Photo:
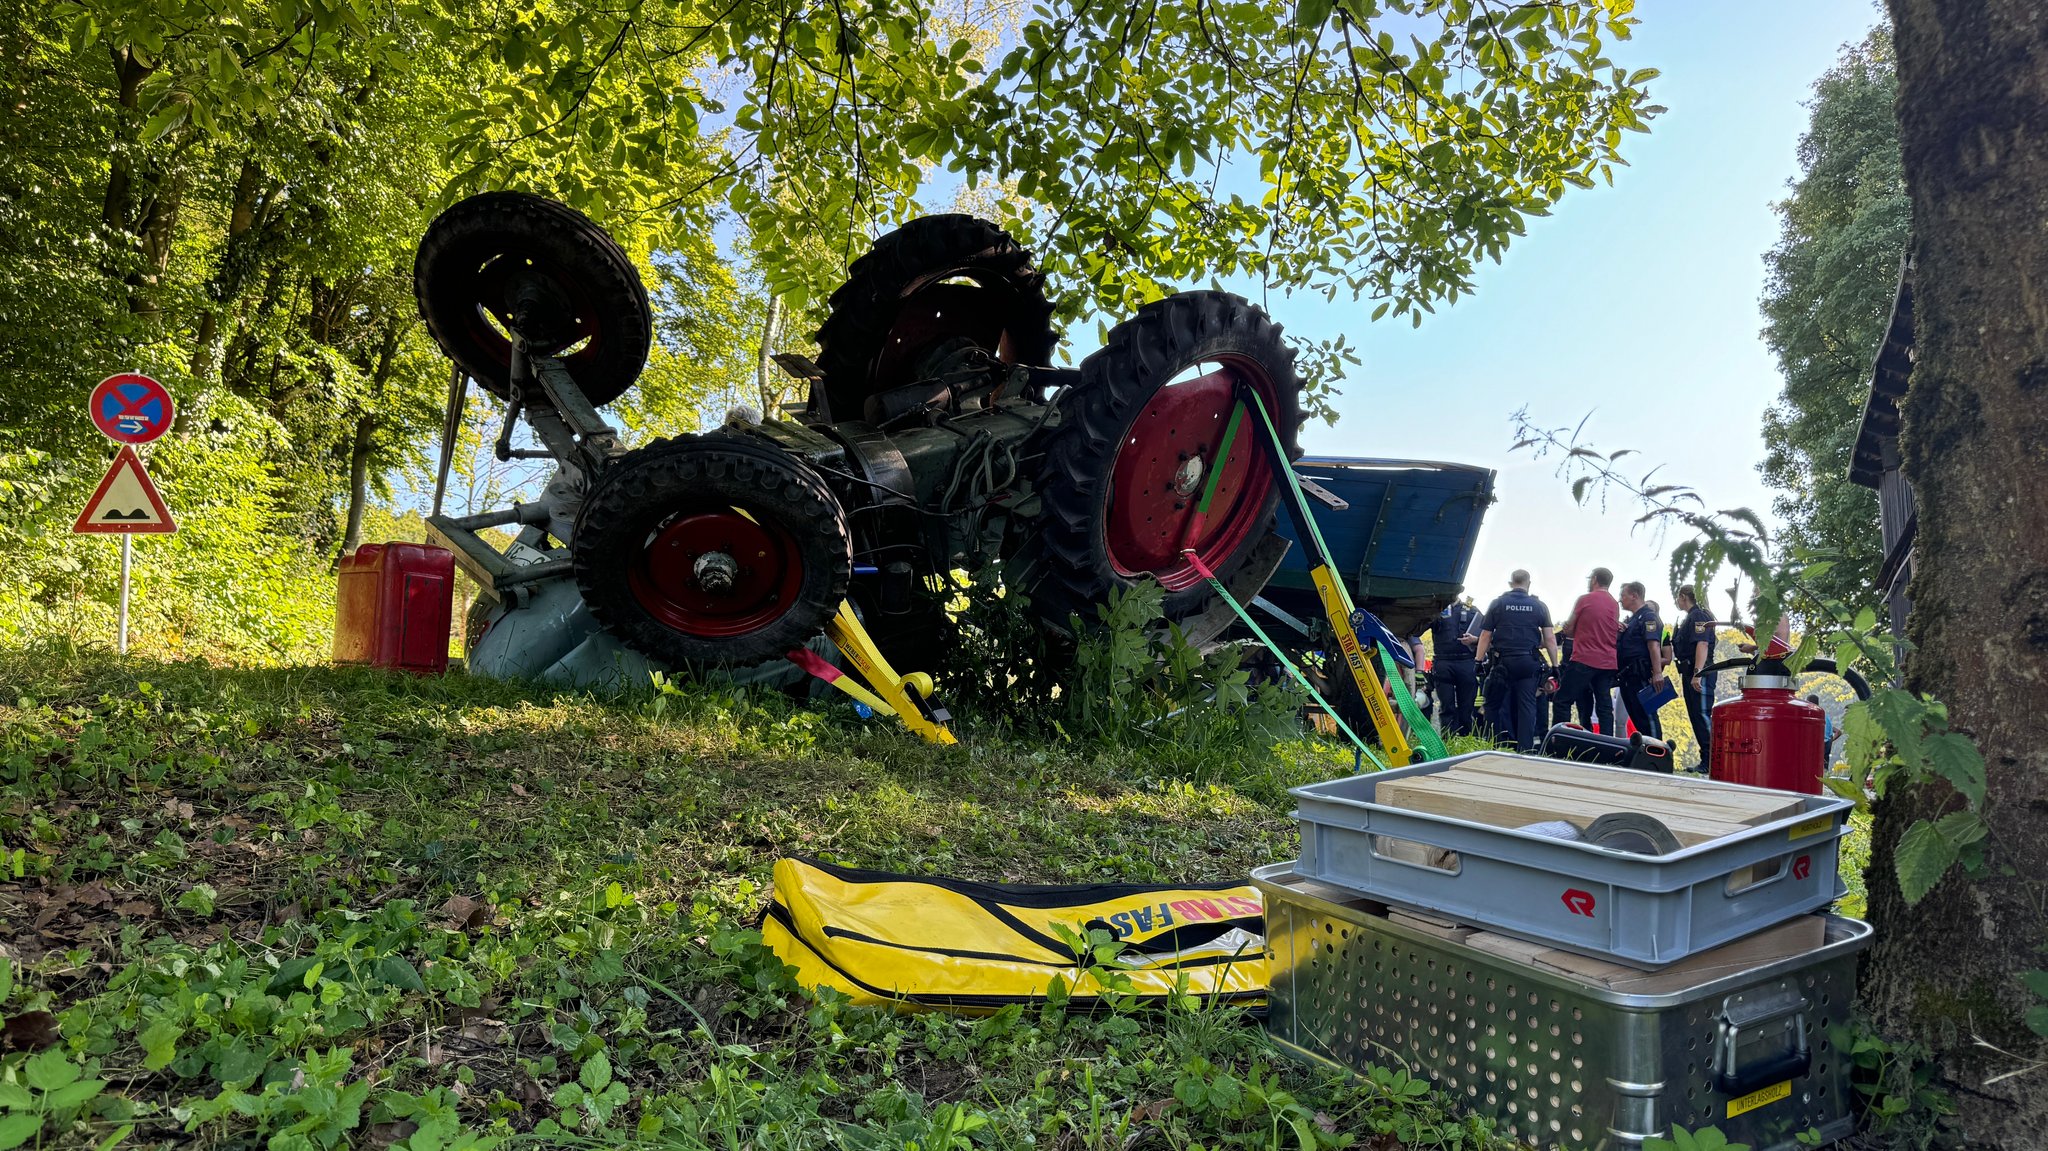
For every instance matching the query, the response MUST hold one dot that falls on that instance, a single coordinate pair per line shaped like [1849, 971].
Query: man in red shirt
[1588, 680]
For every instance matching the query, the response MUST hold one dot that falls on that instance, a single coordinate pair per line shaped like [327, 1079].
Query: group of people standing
[1515, 652]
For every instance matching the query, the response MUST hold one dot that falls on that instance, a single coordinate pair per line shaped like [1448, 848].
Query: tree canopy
[226, 194]
[1828, 297]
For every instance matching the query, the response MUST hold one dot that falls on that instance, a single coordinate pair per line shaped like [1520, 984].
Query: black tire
[1067, 565]
[1005, 305]
[645, 491]
[458, 272]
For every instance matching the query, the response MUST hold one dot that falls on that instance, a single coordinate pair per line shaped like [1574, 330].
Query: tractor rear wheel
[1124, 476]
[509, 261]
[935, 280]
[712, 550]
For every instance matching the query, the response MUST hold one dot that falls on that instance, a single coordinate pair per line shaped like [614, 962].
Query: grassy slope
[234, 895]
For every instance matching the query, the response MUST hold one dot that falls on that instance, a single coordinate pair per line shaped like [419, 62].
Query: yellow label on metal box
[1756, 1099]
[1814, 826]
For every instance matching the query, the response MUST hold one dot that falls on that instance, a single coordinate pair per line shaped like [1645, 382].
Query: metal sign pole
[127, 555]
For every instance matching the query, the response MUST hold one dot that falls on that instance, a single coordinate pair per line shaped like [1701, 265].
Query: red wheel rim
[934, 315]
[665, 581]
[492, 317]
[1163, 466]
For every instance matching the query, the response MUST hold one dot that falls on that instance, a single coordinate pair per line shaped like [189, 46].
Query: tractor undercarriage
[937, 436]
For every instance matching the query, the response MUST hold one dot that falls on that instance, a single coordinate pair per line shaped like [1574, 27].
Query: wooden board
[1524, 774]
[1489, 802]
[1799, 936]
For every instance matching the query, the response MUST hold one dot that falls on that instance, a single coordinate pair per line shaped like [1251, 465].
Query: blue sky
[1636, 303]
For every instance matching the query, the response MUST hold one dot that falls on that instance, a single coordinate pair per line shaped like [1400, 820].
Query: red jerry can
[392, 605]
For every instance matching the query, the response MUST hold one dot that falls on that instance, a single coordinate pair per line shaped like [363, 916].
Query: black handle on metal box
[1790, 1065]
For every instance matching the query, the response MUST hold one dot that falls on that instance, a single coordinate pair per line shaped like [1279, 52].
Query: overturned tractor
[937, 435]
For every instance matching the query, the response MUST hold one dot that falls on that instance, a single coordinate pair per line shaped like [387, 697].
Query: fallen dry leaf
[29, 1031]
[461, 913]
[383, 1135]
[519, 791]
[136, 909]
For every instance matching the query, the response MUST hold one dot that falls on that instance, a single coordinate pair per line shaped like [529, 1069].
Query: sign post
[128, 409]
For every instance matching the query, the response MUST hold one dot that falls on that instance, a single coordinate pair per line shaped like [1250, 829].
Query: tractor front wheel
[712, 550]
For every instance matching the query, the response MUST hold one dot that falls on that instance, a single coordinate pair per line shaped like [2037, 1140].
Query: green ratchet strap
[1292, 670]
[1421, 731]
[1419, 726]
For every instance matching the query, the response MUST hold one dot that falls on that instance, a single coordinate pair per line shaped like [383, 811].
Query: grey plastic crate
[1559, 1061]
[1644, 910]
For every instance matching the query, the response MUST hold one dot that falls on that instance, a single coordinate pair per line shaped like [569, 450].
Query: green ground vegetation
[313, 908]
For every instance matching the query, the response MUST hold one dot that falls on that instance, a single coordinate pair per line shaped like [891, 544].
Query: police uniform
[1695, 627]
[1453, 674]
[1632, 675]
[1517, 621]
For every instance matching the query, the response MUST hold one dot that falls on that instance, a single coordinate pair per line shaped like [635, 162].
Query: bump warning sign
[126, 502]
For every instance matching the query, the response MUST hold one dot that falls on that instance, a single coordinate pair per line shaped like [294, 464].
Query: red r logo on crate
[1579, 902]
[1802, 866]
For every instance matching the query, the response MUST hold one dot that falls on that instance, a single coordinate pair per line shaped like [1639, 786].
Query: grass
[312, 908]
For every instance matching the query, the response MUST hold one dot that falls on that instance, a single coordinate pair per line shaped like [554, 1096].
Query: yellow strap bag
[919, 941]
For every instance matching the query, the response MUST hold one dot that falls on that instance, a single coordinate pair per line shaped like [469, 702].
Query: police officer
[1692, 648]
[1454, 675]
[1516, 630]
[1639, 656]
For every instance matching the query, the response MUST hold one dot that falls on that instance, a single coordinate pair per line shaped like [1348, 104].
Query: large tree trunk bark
[1973, 119]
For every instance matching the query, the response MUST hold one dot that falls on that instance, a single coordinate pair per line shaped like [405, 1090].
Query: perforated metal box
[1563, 1062]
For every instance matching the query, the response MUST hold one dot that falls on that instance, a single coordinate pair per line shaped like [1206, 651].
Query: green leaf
[2037, 982]
[596, 1073]
[398, 971]
[165, 120]
[160, 1044]
[1579, 487]
[1923, 857]
[1312, 14]
[15, 1097]
[1962, 828]
[67, 1097]
[18, 1129]
[291, 976]
[2037, 1020]
[1954, 758]
[51, 1070]
[6, 978]
[198, 900]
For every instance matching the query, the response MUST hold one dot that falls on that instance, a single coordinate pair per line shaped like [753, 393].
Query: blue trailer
[1402, 541]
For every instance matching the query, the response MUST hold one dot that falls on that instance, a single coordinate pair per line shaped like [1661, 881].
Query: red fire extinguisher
[1769, 737]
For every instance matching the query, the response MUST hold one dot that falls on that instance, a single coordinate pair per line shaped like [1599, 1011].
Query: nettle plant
[1896, 738]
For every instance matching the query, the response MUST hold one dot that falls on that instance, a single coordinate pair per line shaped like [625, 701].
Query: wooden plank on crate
[1496, 806]
[1633, 791]
[1757, 809]
[1798, 936]
[1434, 925]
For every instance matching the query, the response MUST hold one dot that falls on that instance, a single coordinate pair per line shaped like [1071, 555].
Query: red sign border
[128, 457]
[92, 408]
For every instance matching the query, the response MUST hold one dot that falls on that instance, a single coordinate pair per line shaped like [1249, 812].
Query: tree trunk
[228, 277]
[764, 367]
[366, 440]
[1973, 119]
[358, 482]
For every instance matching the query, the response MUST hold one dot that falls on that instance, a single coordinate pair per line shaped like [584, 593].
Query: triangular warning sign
[126, 502]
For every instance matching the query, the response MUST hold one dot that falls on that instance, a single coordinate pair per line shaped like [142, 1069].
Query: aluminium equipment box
[1563, 1060]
